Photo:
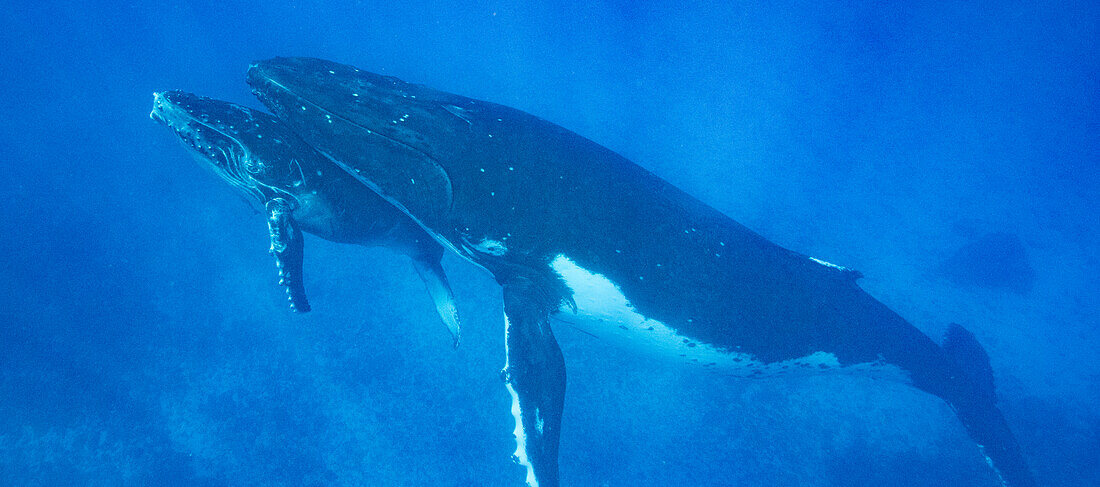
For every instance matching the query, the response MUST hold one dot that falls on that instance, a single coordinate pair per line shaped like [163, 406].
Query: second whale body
[574, 232]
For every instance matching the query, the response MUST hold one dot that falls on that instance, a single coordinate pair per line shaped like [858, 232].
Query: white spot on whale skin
[491, 247]
[827, 264]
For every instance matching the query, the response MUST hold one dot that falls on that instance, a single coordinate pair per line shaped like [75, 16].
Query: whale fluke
[976, 405]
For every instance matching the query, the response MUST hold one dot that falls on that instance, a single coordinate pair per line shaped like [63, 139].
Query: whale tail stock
[975, 402]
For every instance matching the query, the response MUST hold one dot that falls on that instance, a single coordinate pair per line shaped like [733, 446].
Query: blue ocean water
[948, 151]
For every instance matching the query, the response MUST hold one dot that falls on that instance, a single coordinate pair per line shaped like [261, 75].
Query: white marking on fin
[520, 455]
[989, 461]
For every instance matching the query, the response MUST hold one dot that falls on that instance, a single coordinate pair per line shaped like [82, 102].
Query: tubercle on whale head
[177, 111]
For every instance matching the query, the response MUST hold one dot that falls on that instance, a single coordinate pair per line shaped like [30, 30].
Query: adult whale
[299, 190]
[573, 231]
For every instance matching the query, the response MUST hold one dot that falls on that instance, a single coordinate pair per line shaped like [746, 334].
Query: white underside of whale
[604, 312]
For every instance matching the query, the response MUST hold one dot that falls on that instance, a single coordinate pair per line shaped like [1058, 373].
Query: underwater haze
[948, 151]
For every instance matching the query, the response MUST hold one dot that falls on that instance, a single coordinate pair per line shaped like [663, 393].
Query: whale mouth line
[180, 120]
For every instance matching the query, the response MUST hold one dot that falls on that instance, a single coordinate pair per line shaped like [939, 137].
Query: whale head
[414, 115]
[251, 150]
[395, 137]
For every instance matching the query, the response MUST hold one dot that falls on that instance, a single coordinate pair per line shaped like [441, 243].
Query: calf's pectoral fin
[431, 272]
[288, 248]
[535, 377]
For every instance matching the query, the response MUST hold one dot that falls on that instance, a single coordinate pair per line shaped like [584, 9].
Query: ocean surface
[950, 151]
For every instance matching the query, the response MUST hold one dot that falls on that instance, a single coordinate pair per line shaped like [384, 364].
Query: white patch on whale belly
[605, 312]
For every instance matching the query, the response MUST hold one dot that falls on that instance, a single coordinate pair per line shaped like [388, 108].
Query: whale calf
[298, 189]
[575, 232]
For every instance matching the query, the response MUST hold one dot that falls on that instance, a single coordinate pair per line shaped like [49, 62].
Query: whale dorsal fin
[428, 265]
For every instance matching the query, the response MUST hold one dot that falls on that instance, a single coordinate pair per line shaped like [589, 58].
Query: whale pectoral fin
[288, 249]
[431, 272]
[535, 377]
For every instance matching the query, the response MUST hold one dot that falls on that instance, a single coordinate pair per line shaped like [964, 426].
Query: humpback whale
[574, 232]
[299, 190]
